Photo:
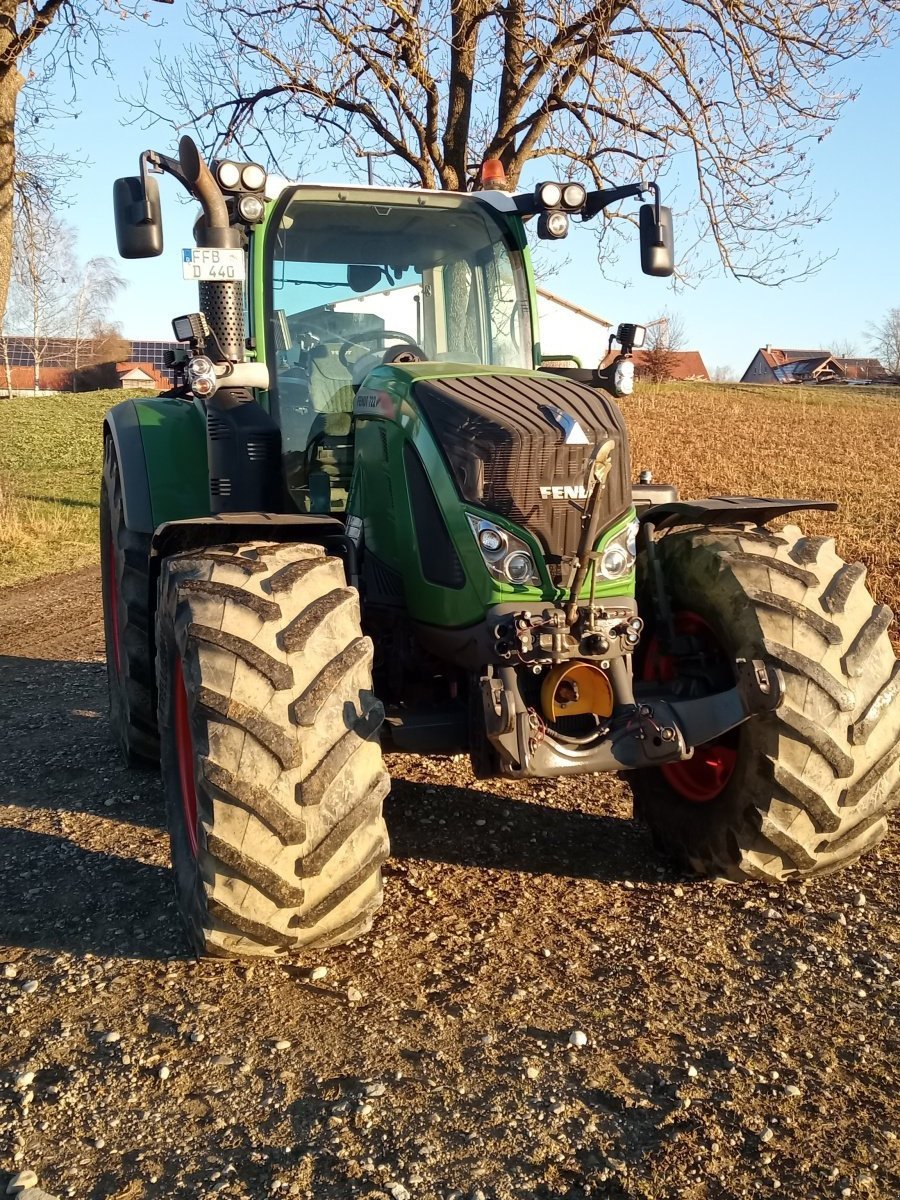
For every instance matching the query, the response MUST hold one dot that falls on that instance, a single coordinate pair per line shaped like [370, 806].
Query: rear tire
[124, 560]
[814, 781]
[274, 790]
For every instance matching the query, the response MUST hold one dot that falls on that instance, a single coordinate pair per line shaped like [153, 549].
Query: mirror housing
[657, 240]
[139, 232]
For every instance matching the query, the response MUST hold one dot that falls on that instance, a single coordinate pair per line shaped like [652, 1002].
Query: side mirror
[657, 240]
[139, 232]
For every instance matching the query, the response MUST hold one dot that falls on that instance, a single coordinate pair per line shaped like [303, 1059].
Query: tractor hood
[521, 446]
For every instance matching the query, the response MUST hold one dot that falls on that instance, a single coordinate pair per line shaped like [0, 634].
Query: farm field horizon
[828, 443]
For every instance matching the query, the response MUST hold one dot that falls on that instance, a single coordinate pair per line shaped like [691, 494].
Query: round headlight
[491, 540]
[550, 194]
[253, 177]
[518, 567]
[251, 208]
[623, 377]
[202, 376]
[615, 562]
[557, 224]
[228, 174]
[574, 196]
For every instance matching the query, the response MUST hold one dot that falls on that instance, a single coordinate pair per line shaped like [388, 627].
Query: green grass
[50, 460]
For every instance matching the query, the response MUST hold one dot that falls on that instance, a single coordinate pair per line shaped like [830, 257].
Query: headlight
[253, 177]
[507, 558]
[201, 376]
[553, 225]
[251, 209]
[518, 567]
[549, 194]
[491, 540]
[623, 377]
[229, 175]
[620, 552]
[574, 196]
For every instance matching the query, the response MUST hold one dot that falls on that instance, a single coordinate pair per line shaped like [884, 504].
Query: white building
[570, 331]
[566, 330]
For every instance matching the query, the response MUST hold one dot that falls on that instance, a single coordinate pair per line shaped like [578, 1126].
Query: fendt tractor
[368, 510]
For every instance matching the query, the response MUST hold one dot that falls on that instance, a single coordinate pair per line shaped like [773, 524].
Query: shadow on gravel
[516, 835]
[56, 895]
[57, 752]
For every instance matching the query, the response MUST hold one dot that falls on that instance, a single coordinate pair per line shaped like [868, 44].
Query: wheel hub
[703, 777]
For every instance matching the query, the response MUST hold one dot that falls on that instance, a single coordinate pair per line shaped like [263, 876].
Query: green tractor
[364, 511]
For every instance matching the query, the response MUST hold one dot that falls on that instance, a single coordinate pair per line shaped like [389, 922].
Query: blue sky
[726, 320]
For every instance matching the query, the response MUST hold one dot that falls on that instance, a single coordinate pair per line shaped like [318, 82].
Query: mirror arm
[161, 164]
[597, 201]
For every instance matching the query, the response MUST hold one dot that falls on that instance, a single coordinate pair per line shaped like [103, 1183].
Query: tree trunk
[11, 82]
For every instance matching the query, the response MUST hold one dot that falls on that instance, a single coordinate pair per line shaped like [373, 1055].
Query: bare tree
[38, 37]
[665, 337]
[88, 326]
[884, 338]
[43, 272]
[723, 374]
[843, 347]
[730, 98]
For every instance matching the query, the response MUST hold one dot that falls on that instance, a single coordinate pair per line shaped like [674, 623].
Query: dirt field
[742, 1042]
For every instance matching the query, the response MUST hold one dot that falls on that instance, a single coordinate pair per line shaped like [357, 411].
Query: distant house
[771, 365]
[684, 364]
[861, 368]
[140, 375]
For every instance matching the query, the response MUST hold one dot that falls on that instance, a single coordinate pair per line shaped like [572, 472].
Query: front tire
[810, 785]
[124, 559]
[271, 763]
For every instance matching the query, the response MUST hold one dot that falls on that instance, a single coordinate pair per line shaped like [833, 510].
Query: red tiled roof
[686, 364]
[123, 368]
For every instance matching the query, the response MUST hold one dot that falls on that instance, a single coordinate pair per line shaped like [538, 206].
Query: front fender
[725, 510]
[160, 446]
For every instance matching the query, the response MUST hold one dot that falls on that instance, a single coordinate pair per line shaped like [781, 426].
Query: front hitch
[650, 733]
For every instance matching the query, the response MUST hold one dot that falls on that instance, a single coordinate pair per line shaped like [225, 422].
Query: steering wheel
[372, 334]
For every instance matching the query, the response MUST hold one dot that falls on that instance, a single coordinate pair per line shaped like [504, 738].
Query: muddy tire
[124, 557]
[271, 762]
[813, 782]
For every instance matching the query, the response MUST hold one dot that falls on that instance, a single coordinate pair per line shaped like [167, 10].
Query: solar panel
[58, 352]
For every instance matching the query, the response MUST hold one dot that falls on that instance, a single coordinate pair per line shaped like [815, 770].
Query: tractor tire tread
[132, 700]
[290, 830]
[816, 778]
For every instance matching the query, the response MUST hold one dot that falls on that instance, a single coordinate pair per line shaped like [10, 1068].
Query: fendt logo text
[564, 491]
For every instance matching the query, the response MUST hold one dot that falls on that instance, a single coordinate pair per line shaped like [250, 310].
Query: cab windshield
[356, 283]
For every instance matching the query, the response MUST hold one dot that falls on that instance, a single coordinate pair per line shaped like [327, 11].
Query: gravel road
[738, 1042]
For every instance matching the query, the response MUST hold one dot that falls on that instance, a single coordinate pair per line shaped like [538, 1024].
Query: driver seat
[330, 387]
[330, 446]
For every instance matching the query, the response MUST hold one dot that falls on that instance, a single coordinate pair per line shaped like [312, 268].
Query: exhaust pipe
[222, 303]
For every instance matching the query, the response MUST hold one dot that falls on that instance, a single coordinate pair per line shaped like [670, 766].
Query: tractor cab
[356, 278]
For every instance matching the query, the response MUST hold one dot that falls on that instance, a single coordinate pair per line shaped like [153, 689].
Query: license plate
[213, 266]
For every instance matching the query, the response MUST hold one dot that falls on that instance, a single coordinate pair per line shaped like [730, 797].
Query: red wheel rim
[705, 776]
[184, 749]
[113, 590]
